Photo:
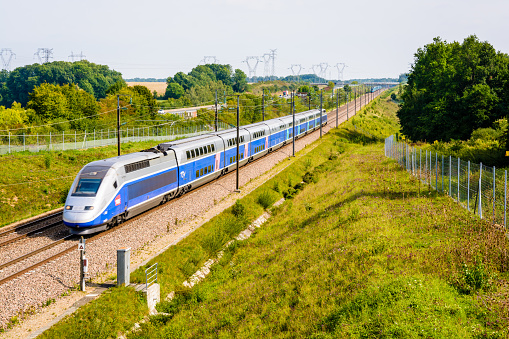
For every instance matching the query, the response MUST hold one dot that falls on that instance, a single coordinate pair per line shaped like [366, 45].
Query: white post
[63, 141]
[24, 148]
[458, 179]
[450, 176]
[50, 141]
[468, 186]
[479, 193]
[75, 140]
[9, 142]
[494, 188]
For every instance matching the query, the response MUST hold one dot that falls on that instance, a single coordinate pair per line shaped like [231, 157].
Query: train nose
[78, 218]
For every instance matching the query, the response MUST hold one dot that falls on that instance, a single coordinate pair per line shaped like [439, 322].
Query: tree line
[454, 89]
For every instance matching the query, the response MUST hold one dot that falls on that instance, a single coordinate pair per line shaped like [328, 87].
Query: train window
[197, 173]
[201, 172]
[228, 142]
[242, 155]
[210, 168]
[197, 151]
[213, 149]
[208, 148]
[188, 154]
[87, 187]
[201, 150]
[115, 184]
[192, 153]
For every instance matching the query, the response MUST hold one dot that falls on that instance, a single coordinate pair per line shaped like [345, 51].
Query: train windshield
[89, 181]
[87, 187]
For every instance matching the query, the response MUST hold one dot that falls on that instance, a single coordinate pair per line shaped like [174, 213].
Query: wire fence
[478, 188]
[10, 143]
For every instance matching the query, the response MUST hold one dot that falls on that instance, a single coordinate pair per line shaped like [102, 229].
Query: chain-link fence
[478, 188]
[62, 141]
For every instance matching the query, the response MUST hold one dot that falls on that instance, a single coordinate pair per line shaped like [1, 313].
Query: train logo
[117, 200]
[183, 174]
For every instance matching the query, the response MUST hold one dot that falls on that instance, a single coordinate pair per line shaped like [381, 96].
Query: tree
[94, 79]
[14, 117]
[239, 82]
[174, 91]
[67, 102]
[454, 89]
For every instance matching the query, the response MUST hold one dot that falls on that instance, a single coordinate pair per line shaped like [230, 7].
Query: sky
[156, 39]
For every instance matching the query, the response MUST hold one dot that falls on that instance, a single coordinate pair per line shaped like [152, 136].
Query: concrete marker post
[123, 266]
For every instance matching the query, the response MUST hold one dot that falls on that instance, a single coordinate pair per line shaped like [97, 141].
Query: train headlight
[89, 208]
[68, 207]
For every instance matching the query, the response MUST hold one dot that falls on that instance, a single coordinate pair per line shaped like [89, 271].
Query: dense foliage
[454, 89]
[200, 85]
[17, 85]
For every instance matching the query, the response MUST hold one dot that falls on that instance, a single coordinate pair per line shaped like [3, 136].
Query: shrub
[309, 178]
[47, 161]
[266, 199]
[238, 209]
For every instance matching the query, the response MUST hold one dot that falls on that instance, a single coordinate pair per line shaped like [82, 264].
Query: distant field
[159, 87]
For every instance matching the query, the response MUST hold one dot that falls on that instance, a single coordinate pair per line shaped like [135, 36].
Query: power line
[252, 64]
[209, 60]
[80, 56]
[299, 69]
[44, 55]
[6, 54]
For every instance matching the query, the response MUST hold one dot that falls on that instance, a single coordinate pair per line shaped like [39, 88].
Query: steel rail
[7, 242]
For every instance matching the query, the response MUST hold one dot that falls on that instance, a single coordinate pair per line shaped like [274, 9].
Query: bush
[266, 199]
[309, 178]
[238, 209]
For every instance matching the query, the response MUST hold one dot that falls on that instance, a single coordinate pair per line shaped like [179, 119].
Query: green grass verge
[114, 312]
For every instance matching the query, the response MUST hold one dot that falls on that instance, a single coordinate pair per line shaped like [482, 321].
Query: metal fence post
[479, 193]
[442, 173]
[468, 186]
[49, 147]
[75, 140]
[420, 163]
[494, 187]
[450, 187]
[436, 171]
[63, 141]
[426, 169]
[458, 179]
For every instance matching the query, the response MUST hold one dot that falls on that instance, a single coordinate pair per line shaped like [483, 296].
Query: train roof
[124, 159]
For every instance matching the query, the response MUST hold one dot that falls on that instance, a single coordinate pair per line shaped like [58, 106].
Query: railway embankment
[358, 248]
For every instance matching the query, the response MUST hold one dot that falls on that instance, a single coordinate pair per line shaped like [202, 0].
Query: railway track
[30, 224]
[73, 240]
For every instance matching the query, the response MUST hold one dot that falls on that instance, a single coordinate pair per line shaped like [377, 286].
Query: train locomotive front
[93, 201]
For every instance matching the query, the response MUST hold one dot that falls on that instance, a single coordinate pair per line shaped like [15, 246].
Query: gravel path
[31, 290]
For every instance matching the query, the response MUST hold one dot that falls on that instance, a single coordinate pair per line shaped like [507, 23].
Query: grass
[113, 313]
[33, 183]
[361, 249]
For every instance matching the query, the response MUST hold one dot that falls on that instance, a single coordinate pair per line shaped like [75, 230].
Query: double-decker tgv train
[107, 192]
